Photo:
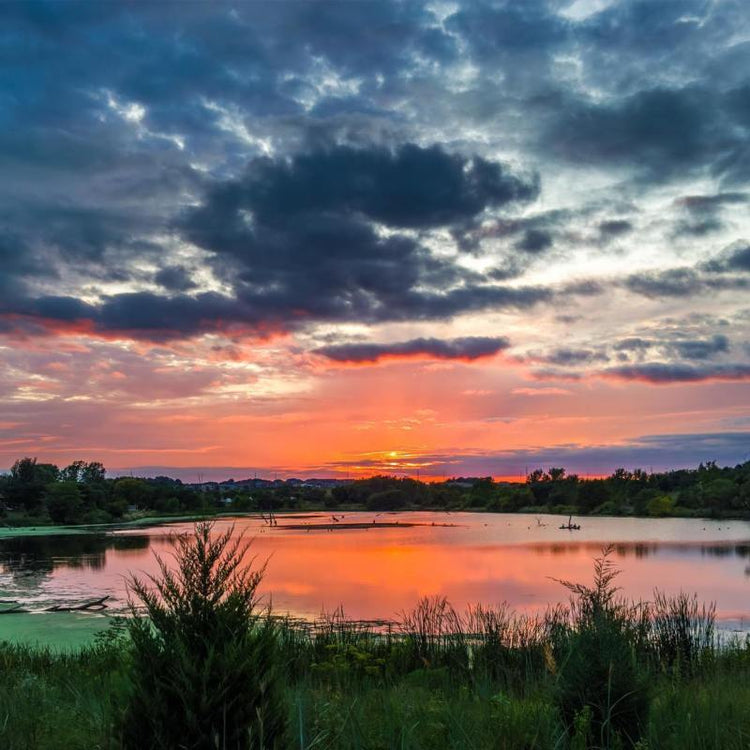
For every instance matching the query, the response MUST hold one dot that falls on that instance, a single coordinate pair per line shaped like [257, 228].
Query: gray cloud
[464, 348]
[615, 227]
[679, 282]
[660, 373]
[566, 357]
[701, 349]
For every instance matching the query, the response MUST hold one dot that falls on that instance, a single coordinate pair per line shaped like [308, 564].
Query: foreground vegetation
[36, 494]
[200, 666]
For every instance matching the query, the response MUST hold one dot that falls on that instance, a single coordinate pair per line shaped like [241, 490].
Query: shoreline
[8, 532]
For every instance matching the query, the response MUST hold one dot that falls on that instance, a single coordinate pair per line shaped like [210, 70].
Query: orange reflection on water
[379, 572]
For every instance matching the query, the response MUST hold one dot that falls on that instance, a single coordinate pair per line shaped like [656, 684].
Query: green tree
[721, 493]
[28, 480]
[598, 670]
[73, 472]
[93, 472]
[204, 665]
[64, 502]
[660, 506]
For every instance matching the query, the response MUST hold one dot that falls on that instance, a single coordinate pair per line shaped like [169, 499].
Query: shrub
[203, 659]
[598, 670]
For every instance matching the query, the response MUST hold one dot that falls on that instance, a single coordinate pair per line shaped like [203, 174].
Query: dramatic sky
[352, 237]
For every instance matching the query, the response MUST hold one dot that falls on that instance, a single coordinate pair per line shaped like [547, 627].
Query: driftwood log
[95, 605]
[13, 609]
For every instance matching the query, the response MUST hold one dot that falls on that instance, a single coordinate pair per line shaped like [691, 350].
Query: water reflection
[44, 554]
[28, 564]
[646, 549]
[378, 572]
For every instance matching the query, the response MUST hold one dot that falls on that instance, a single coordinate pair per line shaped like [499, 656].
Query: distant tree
[660, 506]
[721, 493]
[387, 500]
[592, 494]
[28, 480]
[481, 492]
[64, 502]
[538, 475]
[132, 491]
[73, 472]
[93, 472]
[80, 471]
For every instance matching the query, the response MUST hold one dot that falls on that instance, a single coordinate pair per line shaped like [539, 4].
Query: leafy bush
[598, 670]
[204, 661]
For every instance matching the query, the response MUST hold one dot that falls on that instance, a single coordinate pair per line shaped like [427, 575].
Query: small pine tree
[598, 670]
[204, 668]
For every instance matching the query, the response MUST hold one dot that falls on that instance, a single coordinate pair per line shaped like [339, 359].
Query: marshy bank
[210, 665]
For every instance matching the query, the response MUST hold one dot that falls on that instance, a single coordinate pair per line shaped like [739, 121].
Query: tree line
[35, 492]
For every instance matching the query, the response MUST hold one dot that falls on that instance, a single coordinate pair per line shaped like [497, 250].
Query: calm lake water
[378, 572]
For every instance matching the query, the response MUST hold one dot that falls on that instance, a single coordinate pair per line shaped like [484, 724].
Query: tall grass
[683, 630]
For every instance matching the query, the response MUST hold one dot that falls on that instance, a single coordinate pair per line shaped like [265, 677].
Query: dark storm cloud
[155, 317]
[518, 38]
[464, 348]
[615, 228]
[701, 348]
[680, 282]
[411, 187]
[702, 214]
[297, 240]
[116, 117]
[735, 258]
[566, 357]
[583, 288]
[633, 344]
[661, 373]
[660, 133]
[661, 130]
[676, 282]
[534, 241]
[708, 204]
[175, 279]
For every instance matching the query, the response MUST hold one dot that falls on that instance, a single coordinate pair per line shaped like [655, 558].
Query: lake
[316, 564]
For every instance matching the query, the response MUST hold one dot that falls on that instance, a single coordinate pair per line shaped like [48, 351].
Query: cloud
[534, 241]
[680, 282]
[615, 228]
[297, 241]
[659, 130]
[658, 452]
[566, 357]
[175, 279]
[409, 187]
[734, 258]
[701, 349]
[467, 348]
[633, 344]
[662, 373]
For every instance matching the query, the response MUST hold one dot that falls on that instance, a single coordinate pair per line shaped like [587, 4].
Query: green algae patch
[63, 631]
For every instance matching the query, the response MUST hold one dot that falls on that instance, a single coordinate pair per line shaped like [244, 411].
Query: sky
[348, 238]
